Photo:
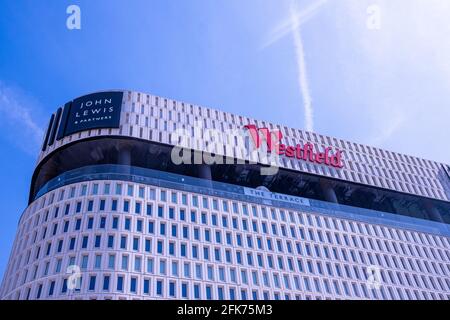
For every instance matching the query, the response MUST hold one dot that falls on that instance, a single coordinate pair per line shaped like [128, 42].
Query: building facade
[111, 215]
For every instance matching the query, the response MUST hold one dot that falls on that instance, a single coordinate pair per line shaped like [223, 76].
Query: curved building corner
[111, 216]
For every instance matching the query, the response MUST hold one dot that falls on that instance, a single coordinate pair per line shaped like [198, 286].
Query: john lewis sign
[93, 111]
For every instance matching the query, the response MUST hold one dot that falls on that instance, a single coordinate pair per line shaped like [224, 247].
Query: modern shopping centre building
[115, 212]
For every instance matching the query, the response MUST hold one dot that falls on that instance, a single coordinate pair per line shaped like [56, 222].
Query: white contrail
[17, 115]
[391, 124]
[301, 68]
[285, 27]
[292, 25]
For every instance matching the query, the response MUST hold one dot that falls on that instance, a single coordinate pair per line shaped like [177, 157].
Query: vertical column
[125, 159]
[433, 212]
[328, 191]
[204, 172]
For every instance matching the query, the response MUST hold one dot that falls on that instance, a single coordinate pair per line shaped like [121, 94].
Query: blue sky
[308, 64]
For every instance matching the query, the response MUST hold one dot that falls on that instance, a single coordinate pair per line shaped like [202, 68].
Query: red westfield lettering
[305, 152]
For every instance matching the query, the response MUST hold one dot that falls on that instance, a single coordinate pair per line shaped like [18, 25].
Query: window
[172, 289]
[150, 227]
[138, 208]
[124, 262]
[146, 286]
[196, 291]
[90, 223]
[106, 188]
[92, 283]
[72, 244]
[115, 223]
[111, 261]
[130, 190]
[123, 242]
[97, 241]
[106, 283]
[159, 287]
[160, 247]
[149, 209]
[137, 264]
[77, 226]
[114, 205]
[147, 245]
[133, 285]
[136, 244]
[110, 241]
[98, 261]
[184, 290]
[102, 205]
[51, 289]
[119, 283]
[64, 286]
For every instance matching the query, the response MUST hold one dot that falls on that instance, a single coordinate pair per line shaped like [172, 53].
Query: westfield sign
[305, 152]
